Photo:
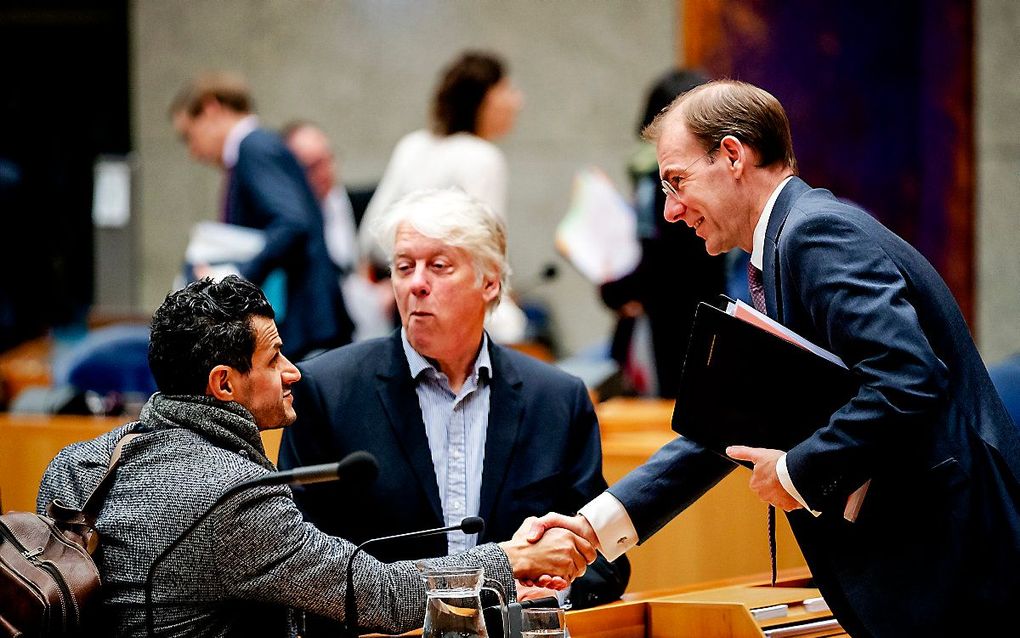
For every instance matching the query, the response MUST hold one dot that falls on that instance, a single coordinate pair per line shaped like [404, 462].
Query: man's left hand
[764, 479]
[526, 592]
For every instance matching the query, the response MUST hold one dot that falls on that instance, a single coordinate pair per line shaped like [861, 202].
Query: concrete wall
[365, 70]
[997, 135]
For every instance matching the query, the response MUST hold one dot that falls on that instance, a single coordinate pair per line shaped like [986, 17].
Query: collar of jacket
[225, 425]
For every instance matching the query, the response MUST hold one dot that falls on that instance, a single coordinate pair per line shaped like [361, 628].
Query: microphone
[356, 467]
[469, 525]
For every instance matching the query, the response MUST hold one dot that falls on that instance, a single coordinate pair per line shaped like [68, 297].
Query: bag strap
[94, 502]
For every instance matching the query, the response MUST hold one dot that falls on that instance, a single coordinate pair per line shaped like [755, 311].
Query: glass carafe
[454, 606]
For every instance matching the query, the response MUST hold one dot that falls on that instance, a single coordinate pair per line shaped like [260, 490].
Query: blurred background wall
[365, 70]
[997, 175]
[97, 76]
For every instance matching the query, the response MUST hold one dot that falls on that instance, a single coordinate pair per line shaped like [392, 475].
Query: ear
[220, 385]
[490, 289]
[733, 151]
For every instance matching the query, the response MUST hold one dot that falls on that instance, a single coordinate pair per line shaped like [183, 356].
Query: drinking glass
[542, 622]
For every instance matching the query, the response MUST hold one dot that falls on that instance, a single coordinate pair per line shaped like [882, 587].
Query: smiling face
[439, 296]
[709, 197]
[265, 390]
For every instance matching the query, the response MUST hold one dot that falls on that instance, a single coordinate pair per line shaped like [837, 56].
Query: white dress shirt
[456, 425]
[232, 145]
[339, 229]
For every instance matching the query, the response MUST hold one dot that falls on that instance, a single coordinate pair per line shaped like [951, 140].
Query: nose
[674, 210]
[290, 372]
[420, 286]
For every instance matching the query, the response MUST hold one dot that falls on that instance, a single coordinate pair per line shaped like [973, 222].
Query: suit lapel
[771, 277]
[505, 412]
[400, 402]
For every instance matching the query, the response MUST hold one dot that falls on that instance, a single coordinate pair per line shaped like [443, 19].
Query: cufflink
[622, 540]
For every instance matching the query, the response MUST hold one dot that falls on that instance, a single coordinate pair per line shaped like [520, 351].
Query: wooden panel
[626, 620]
[714, 609]
[630, 415]
[705, 620]
[723, 535]
[29, 442]
[885, 121]
[271, 440]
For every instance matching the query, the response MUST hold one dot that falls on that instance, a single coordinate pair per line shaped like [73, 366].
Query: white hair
[455, 218]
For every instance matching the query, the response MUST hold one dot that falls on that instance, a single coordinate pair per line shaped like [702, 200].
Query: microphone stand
[469, 525]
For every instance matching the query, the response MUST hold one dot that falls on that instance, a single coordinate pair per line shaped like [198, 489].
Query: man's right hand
[577, 524]
[552, 561]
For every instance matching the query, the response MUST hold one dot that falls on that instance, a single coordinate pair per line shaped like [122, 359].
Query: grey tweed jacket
[252, 563]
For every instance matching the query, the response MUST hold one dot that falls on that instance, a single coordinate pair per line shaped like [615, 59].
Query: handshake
[551, 551]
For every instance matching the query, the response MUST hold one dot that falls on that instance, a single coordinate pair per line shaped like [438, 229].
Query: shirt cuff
[787, 482]
[612, 524]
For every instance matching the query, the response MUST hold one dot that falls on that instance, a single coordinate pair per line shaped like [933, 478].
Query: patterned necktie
[757, 287]
[225, 208]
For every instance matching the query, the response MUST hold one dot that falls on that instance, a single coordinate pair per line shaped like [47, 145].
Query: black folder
[742, 385]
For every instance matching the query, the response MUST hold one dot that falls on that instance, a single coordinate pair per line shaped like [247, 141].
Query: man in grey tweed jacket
[215, 355]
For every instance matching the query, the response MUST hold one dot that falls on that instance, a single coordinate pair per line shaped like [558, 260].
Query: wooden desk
[716, 609]
[723, 535]
[29, 442]
[621, 414]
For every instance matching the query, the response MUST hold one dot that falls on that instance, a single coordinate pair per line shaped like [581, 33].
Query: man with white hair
[462, 426]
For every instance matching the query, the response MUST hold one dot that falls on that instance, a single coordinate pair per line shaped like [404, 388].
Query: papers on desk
[598, 235]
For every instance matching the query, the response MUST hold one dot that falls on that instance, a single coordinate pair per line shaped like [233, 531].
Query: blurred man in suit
[313, 151]
[464, 427]
[369, 303]
[266, 189]
[935, 546]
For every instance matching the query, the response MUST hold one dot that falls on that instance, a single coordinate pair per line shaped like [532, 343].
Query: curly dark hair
[461, 90]
[201, 326]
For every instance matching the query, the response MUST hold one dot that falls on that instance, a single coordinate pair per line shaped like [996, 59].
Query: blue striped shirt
[455, 424]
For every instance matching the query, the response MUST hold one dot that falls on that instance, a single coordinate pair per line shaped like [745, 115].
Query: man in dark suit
[934, 548]
[266, 189]
[460, 425]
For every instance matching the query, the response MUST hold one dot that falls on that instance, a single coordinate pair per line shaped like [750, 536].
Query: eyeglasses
[668, 187]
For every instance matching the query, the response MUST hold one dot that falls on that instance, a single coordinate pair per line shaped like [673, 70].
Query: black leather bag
[49, 584]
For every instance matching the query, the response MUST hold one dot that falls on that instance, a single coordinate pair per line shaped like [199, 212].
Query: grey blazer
[250, 564]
